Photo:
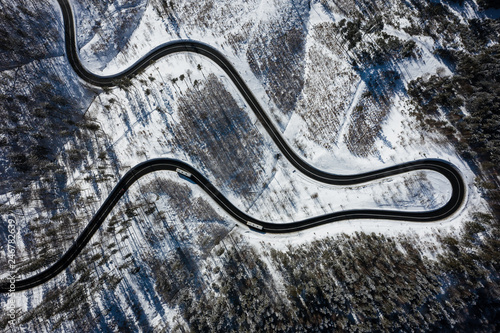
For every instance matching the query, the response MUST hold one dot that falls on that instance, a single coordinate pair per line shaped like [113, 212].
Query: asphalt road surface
[165, 164]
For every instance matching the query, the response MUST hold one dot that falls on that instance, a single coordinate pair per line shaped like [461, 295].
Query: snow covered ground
[140, 123]
[399, 141]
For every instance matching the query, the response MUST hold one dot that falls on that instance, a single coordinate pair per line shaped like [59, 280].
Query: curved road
[443, 167]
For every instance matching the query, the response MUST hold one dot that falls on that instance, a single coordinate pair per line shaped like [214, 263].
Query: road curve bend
[166, 164]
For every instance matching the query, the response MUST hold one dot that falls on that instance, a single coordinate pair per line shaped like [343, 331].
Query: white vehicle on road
[254, 225]
[184, 173]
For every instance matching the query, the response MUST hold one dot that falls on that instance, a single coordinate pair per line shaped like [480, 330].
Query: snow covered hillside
[333, 76]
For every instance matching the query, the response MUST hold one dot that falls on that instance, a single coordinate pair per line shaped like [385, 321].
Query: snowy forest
[353, 86]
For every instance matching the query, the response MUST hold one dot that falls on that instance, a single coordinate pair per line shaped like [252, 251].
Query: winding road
[441, 166]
